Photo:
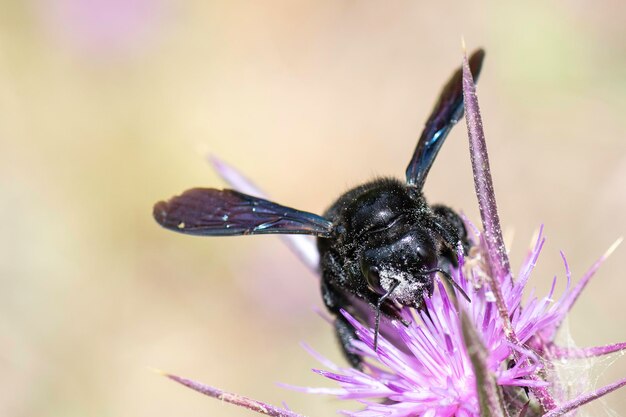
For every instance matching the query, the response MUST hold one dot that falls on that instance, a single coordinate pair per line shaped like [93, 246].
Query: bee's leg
[456, 222]
[346, 334]
[453, 228]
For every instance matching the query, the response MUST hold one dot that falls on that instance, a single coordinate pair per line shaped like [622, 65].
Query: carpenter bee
[380, 244]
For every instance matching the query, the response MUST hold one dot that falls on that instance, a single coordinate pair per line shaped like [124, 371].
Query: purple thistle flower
[493, 356]
[430, 371]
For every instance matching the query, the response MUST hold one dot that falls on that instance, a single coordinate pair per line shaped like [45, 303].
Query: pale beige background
[109, 106]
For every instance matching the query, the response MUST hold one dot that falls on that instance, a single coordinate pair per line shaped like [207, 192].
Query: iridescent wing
[211, 212]
[447, 112]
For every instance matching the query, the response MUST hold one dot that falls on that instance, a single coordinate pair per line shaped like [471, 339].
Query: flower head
[426, 369]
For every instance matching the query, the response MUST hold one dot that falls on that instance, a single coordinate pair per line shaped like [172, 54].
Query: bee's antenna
[450, 281]
[379, 304]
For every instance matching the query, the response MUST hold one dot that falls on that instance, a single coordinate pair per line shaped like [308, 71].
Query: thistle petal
[570, 300]
[498, 257]
[558, 352]
[236, 399]
[584, 399]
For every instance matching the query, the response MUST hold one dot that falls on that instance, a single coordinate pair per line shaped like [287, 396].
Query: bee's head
[405, 262]
[395, 249]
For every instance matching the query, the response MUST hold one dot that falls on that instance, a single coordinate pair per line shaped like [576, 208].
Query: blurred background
[107, 106]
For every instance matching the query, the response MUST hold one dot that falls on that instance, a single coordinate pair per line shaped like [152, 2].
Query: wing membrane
[212, 212]
[447, 112]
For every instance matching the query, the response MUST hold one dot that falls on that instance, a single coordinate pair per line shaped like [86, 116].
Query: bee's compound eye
[372, 277]
[427, 256]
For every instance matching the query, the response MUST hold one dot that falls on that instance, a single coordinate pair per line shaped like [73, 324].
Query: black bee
[380, 243]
